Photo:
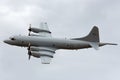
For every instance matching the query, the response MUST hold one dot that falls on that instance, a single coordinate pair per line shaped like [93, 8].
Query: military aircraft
[41, 44]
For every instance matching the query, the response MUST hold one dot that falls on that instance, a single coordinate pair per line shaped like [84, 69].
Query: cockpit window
[12, 38]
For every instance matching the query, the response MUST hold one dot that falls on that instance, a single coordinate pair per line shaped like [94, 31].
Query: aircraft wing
[41, 31]
[45, 53]
[45, 59]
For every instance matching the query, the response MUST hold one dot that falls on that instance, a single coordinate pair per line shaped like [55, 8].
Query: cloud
[67, 18]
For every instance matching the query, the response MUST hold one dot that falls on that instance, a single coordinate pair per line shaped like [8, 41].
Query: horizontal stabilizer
[95, 45]
[111, 44]
[102, 44]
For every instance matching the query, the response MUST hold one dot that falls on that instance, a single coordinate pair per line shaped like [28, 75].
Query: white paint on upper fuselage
[50, 42]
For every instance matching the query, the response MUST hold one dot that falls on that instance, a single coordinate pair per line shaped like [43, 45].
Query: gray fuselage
[48, 42]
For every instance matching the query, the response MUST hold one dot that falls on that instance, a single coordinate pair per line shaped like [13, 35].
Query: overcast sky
[66, 18]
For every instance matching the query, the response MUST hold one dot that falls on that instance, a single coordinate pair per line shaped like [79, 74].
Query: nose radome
[6, 41]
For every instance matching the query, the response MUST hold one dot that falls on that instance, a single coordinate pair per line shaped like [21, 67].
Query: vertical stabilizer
[93, 36]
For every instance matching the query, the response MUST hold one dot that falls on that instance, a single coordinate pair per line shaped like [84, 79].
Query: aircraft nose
[6, 41]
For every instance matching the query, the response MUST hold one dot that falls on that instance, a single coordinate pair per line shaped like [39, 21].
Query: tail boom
[93, 39]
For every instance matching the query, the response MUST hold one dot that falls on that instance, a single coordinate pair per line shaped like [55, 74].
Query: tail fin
[93, 36]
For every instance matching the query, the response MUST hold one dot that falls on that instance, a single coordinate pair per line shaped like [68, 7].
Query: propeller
[29, 51]
[29, 29]
[29, 45]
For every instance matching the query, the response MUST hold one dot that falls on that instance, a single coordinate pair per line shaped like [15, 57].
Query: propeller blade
[29, 57]
[29, 51]
[29, 54]
[29, 29]
[29, 46]
[29, 34]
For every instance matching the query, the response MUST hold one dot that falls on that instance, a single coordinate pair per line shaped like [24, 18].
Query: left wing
[45, 53]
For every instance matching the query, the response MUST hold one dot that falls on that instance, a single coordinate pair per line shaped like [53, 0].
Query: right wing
[42, 31]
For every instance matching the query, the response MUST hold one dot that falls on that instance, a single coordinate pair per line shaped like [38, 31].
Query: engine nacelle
[35, 34]
[33, 48]
[37, 30]
[39, 54]
[35, 54]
